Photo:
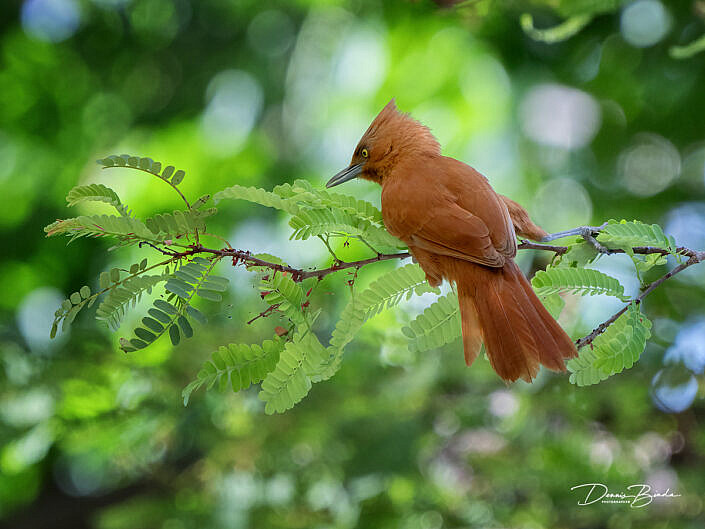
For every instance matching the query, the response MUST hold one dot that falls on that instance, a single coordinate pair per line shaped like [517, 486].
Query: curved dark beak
[346, 174]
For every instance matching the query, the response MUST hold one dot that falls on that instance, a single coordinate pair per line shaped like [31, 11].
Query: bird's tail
[499, 307]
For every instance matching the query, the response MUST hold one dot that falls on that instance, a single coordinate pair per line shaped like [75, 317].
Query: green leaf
[185, 327]
[178, 177]
[85, 291]
[144, 334]
[153, 324]
[583, 281]
[578, 255]
[174, 335]
[625, 235]
[120, 297]
[258, 196]
[306, 195]
[159, 315]
[168, 171]
[438, 325]
[384, 293]
[210, 295]
[127, 229]
[176, 287]
[237, 366]
[201, 201]
[559, 33]
[177, 223]
[616, 349]
[689, 50]
[137, 344]
[166, 307]
[314, 222]
[96, 193]
[289, 382]
[554, 304]
[196, 315]
[75, 298]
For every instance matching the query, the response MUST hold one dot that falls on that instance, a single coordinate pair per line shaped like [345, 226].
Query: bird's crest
[402, 130]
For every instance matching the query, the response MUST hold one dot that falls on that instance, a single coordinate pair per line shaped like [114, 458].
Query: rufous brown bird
[460, 230]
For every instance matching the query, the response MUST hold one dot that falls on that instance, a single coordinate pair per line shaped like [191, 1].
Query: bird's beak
[346, 174]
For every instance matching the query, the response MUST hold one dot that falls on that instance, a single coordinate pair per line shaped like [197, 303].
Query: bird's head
[390, 136]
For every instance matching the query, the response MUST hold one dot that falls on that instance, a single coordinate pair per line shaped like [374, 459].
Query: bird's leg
[586, 232]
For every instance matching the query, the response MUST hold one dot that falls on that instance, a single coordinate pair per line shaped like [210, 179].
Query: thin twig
[697, 257]
[300, 274]
[266, 312]
[324, 240]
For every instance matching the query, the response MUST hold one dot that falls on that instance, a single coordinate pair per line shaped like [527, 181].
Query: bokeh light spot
[644, 23]
[649, 165]
[361, 63]
[234, 103]
[562, 203]
[271, 32]
[560, 116]
[35, 315]
[689, 347]
[51, 20]
[674, 388]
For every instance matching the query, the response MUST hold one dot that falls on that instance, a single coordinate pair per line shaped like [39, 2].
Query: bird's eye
[364, 153]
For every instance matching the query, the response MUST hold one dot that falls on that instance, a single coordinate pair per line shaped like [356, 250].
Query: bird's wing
[450, 230]
[523, 225]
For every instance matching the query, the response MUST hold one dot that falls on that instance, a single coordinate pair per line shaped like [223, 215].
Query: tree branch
[300, 274]
[695, 258]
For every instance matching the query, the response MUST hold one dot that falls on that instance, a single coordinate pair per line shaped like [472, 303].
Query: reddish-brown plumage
[460, 230]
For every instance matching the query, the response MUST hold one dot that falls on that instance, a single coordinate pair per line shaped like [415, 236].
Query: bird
[460, 230]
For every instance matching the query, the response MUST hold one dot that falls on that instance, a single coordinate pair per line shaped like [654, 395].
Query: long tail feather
[499, 306]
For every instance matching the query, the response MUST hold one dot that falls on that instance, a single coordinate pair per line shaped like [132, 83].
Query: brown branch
[696, 257]
[297, 274]
[300, 274]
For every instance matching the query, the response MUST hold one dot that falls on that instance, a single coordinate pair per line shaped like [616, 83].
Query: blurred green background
[606, 124]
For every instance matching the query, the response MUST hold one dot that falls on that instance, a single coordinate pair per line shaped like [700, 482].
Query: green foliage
[236, 365]
[303, 192]
[288, 366]
[290, 381]
[258, 196]
[616, 349]
[689, 50]
[191, 279]
[627, 234]
[554, 303]
[582, 281]
[579, 254]
[124, 295]
[559, 33]
[178, 223]
[384, 293]
[438, 325]
[127, 230]
[70, 308]
[173, 177]
[97, 193]
[318, 212]
[315, 222]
